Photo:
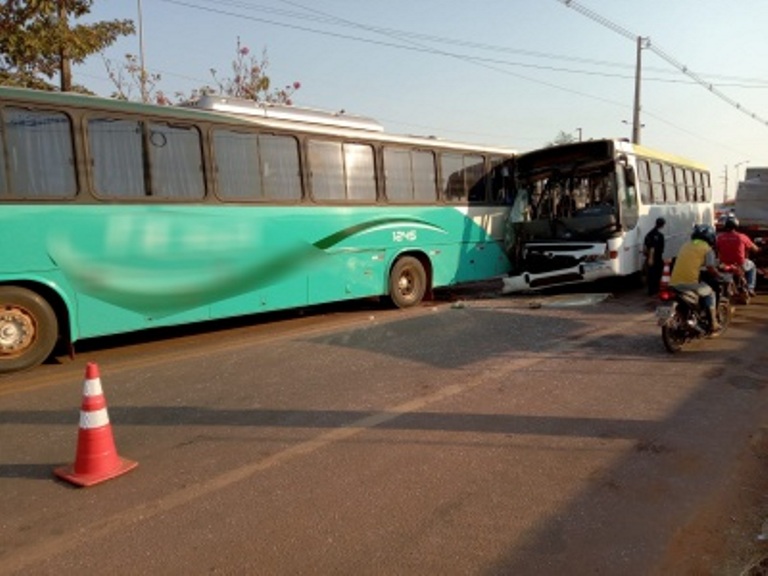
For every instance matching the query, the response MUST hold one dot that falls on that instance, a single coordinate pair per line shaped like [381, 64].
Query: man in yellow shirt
[694, 255]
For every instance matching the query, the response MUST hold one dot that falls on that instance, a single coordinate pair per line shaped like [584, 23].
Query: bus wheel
[407, 282]
[28, 329]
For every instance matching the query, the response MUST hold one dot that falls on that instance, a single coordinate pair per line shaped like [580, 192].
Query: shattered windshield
[555, 194]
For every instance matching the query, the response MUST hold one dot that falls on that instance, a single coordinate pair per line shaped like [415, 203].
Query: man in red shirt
[732, 248]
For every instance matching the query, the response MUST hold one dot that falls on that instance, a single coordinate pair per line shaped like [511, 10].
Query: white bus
[581, 211]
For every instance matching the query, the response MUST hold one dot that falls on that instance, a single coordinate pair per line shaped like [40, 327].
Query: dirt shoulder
[722, 539]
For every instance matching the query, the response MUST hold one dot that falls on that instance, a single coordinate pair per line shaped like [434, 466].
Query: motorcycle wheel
[674, 334]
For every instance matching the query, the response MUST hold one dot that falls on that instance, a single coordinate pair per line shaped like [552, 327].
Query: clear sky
[504, 72]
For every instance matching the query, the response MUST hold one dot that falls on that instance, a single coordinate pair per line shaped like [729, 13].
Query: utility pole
[143, 72]
[725, 178]
[636, 107]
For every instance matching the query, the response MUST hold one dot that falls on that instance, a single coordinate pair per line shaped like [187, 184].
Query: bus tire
[28, 329]
[407, 282]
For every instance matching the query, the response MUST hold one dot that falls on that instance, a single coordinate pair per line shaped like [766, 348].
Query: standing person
[733, 247]
[653, 248]
[694, 255]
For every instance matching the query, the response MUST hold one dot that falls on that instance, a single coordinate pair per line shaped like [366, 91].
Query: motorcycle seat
[692, 292]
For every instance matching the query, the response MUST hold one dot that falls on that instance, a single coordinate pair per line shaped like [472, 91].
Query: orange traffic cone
[96, 459]
[664, 283]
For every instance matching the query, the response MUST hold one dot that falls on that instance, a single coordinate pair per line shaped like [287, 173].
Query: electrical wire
[591, 14]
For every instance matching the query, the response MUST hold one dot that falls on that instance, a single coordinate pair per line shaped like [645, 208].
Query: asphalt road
[488, 435]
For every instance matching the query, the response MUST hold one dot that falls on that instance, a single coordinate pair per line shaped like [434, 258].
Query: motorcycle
[740, 286]
[683, 319]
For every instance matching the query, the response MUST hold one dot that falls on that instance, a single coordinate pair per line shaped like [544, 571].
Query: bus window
[115, 151]
[176, 163]
[644, 181]
[238, 171]
[628, 200]
[424, 179]
[680, 185]
[41, 160]
[697, 189]
[326, 165]
[690, 185]
[707, 189]
[360, 174]
[657, 183]
[461, 174]
[280, 167]
[669, 183]
[409, 175]
[452, 177]
[330, 179]
[501, 192]
[398, 175]
[475, 179]
[3, 183]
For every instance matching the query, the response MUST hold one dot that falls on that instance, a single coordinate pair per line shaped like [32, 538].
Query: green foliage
[37, 41]
[129, 75]
[249, 80]
[562, 138]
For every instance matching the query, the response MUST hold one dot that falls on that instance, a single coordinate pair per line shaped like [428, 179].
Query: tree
[249, 80]
[129, 75]
[562, 138]
[37, 41]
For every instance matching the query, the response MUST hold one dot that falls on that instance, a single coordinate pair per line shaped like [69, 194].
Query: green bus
[119, 216]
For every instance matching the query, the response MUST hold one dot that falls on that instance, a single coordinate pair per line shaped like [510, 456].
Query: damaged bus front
[573, 216]
[581, 211]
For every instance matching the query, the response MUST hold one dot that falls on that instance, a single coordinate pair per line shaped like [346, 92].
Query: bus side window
[424, 176]
[463, 178]
[3, 183]
[644, 180]
[669, 184]
[115, 150]
[680, 185]
[475, 178]
[499, 178]
[707, 188]
[452, 177]
[280, 169]
[690, 186]
[326, 164]
[360, 173]
[176, 162]
[657, 183]
[238, 172]
[41, 159]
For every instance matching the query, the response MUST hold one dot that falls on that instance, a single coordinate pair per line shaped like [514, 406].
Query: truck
[751, 210]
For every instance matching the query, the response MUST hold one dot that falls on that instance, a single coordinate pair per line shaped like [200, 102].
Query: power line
[413, 38]
[592, 15]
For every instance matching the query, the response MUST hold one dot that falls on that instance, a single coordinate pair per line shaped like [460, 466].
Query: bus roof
[651, 153]
[601, 148]
[222, 110]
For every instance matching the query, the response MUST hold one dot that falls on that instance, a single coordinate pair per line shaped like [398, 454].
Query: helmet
[704, 232]
[731, 222]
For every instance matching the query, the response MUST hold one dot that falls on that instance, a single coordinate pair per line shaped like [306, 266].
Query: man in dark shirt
[653, 248]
